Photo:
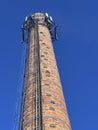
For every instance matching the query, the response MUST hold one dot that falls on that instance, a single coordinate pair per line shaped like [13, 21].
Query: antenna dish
[51, 18]
[26, 18]
[46, 14]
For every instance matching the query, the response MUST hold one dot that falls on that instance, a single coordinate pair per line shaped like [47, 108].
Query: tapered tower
[43, 105]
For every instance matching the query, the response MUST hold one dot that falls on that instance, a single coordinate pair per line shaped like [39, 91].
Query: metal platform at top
[41, 18]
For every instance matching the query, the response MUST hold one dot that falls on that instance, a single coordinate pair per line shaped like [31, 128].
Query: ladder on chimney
[38, 104]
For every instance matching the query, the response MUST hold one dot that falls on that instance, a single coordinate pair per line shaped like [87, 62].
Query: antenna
[46, 14]
[26, 18]
[32, 15]
[51, 18]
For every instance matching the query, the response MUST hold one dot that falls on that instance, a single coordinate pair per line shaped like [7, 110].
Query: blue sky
[76, 53]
